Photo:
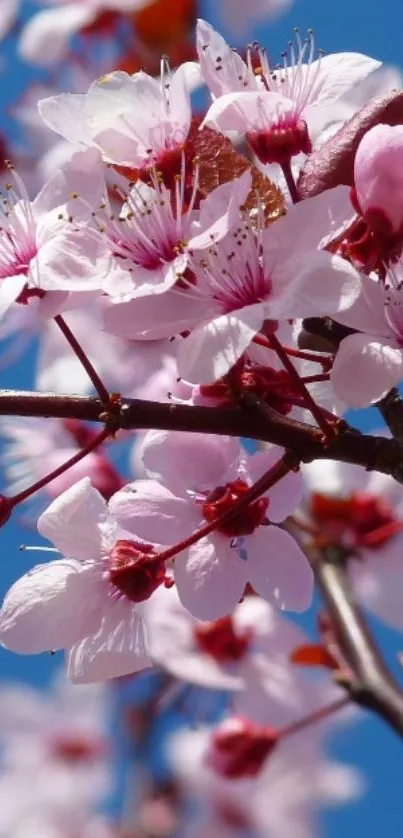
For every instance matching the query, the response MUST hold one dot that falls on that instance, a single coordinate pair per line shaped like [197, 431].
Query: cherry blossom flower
[211, 575]
[361, 512]
[369, 363]
[282, 109]
[90, 602]
[136, 121]
[155, 233]
[45, 38]
[41, 250]
[261, 279]
[221, 654]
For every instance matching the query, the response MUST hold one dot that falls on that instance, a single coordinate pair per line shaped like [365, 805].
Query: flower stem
[310, 403]
[40, 484]
[290, 181]
[316, 716]
[84, 360]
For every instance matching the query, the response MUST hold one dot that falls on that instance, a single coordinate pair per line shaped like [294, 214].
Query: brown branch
[306, 441]
[370, 685]
[391, 408]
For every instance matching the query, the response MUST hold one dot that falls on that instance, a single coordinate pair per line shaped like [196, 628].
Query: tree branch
[306, 441]
[371, 685]
[391, 409]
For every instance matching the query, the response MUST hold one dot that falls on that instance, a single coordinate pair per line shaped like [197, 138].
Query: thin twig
[84, 359]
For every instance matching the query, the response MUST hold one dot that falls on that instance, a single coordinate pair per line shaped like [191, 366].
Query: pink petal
[278, 570]
[65, 114]
[365, 369]
[72, 521]
[368, 311]
[210, 577]
[284, 496]
[247, 112]
[310, 224]
[42, 611]
[233, 73]
[337, 74]
[9, 12]
[318, 283]
[219, 211]
[83, 176]
[213, 349]
[376, 581]
[153, 513]
[378, 173]
[118, 648]
[140, 319]
[182, 461]
[10, 288]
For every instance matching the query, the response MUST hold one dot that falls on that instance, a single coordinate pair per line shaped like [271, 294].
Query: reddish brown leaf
[313, 655]
[333, 163]
[219, 162]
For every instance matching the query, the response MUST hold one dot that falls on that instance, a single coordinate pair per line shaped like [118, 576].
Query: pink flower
[369, 363]
[378, 187]
[239, 17]
[261, 278]
[90, 602]
[155, 233]
[211, 575]
[136, 121]
[8, 15]
[223, 654]
[362, 512]
[45, 38]
[280, 109]
[46, 245]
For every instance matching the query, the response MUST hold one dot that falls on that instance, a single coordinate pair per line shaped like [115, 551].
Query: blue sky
[357, 25]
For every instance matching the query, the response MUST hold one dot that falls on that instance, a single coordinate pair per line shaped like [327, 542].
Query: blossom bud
[378, 179]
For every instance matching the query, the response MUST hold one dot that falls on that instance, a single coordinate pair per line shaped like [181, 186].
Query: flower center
[362, 520]
[240, 748]
[280, 142]
[135, 570]
[75, 749]
[218, 640]
[223, 498]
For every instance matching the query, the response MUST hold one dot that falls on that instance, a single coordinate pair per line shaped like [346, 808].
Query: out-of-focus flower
[45, 38]
[362, 512]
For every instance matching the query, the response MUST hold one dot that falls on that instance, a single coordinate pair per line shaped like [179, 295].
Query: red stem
[290, 181]
[316, 716]
[84, 360]
[95, 443]
[309, 401]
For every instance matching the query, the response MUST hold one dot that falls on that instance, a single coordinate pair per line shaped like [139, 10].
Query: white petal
[9, 12]
[219, 211]
[365, 369]
[72, 521]
[210, 577]
[278, 569]
[337, 74]
[118, 648]
[186, 461]
[140, 319]
[10, 288]
[151, 512]
[65, 114]
[44, 609]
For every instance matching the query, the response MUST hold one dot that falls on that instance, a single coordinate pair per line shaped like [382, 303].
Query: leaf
[313, 655]
[219, 162]
[333, 163]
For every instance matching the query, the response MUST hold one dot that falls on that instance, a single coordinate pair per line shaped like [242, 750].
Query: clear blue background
[358, 25]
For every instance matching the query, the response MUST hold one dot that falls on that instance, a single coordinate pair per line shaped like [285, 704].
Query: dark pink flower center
[279, 143]
[219, 640]
[361, 519]
[135, 569]
[223, 498]
[75, 749]
[241, 752]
